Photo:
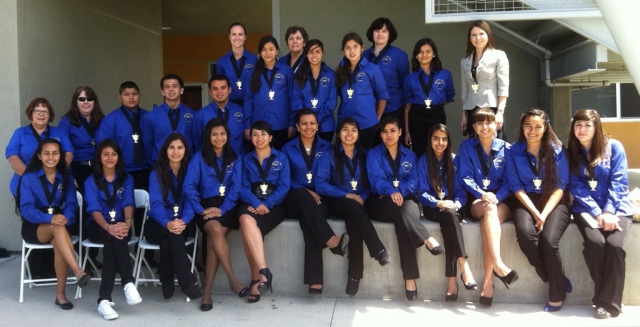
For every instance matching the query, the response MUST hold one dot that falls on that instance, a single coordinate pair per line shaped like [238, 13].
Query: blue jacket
[80, 139]
[442, 88]
[381, 174]
[328, 183]
[327, 99]
[428, 196]
[369, 87]
[298, 165]
[279, 175]
[156, 126]
[116, 126]
[276, 112]
[162, 212]
[201, 182]
[32, 199]
[224, 66]
[235, 124]
[97, 201]
[471, 173]
[395, 68]
[24, 144]
[519, 172]
[612, 191]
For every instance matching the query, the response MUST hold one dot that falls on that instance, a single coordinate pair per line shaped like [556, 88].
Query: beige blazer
[493, 79]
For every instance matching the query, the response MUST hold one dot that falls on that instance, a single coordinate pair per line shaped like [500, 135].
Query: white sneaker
[131, 294]
[104, 308]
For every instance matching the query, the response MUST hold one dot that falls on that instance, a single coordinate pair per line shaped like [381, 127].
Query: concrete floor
[38, 310]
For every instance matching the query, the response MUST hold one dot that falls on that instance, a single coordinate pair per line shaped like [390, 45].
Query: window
[619, 101]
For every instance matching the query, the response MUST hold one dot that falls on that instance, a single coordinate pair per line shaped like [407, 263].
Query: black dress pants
[605, 259]
[421, 120]
[410, 232]
[543, 250]
[173, 253]
[315, 230]
[449, 220]
[115, 258]
[360, 229]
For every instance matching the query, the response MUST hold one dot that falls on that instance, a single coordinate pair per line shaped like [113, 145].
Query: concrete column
[561, 112]
[621, 17]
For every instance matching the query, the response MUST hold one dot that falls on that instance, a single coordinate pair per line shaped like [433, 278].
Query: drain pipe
[549, 83]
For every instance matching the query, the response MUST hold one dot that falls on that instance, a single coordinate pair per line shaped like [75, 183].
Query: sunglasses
[83, 99]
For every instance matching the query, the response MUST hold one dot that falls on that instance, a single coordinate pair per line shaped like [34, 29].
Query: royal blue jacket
[116, 126]
[428, 196]
[286, 59]
[96, 200]
[235, 124]
[612, 191]
[80, 139]
[156, 126]
[201, 182]
[369, 87]
[471, 173]
[161, 211]
[24, 144]
[327, 98]
[298, 165]
[329, 184]
[279, 175]
[442, 89]
[276, 112]
[395, 67]
[519, 173]
[33, 198]
[225, 67]
[381, 174]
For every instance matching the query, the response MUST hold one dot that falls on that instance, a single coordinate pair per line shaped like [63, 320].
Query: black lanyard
[224, 114]
[111, 197]
[47, 132]
[174, 117]
[49, 195]
[394, 164]
[296, 65]
[264, 172]
[350, 168]
[534, 168]
[135, 123]
[269, 80]
[308, 159]
[352, 77]
[176, 191]
[426, 88]
[87, 128]
[486, 167]
[219, 171]
[315, 84]
[372, 56]
[236, 68]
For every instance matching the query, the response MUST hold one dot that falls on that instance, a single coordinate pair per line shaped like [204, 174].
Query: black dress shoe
[411, 295]
[436, 250]
[469, 286]
[315, 291]
[486, 301]
[64, 306]
[340, 249]
[511, 277]
[83, 280]
[352, 286]
[168, 288]
[383, 257]
[452, 297]
[191, 290]
[206, 306]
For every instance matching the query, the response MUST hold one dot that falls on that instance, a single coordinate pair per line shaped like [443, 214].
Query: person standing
[237, 64]
[297, 38]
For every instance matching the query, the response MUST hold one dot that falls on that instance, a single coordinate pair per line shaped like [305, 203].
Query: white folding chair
[145, 245]
[26, 251]
[141, 199]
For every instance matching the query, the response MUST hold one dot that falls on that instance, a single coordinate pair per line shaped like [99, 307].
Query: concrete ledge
[284, 248]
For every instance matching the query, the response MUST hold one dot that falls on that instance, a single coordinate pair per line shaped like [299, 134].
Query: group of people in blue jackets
[263, 151]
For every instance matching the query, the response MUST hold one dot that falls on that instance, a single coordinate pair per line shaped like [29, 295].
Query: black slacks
[366, 136]
[605, 259]
[449, 220]
[543, 250]
[410, 232]
[173, 253]
[360, 229]
[421, 120]
[115, 258]
[315, 230]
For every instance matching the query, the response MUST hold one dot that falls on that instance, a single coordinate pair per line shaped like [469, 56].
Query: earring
[162, 94]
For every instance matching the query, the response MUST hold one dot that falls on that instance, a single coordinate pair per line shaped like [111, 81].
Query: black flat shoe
[206, 306]
[436, 250]
[352, 286]
[340, 249]
[243, 292]
[268, 285]
[64, 306]
[469, 286]
[511, 277]
[253, 298]
[411, 295]
[315, 291]
[383, 257]
[83, 280]
[453, 297]
[191, 290]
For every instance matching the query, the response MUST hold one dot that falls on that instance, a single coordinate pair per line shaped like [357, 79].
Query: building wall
[626, 132]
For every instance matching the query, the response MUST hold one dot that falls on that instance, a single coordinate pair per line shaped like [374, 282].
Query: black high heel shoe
[469, 286]
[436, 250]
[452, 297]
[342, 246]
[268, 285]
[510, 278]
[243, 292]
[411, 295]
[253, 298]
[486, 301]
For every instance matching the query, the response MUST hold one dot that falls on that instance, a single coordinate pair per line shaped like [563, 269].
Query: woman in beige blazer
[485, 77]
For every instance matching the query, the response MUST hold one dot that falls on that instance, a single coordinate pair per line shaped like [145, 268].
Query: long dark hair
[481, 24]
[259, 69]
[96, 115]
[35, 164]
[98, 169]
[436, 64]
[303, 73]
[344, 69]
[546, 154]
[207, 153]
[339, 158]
[432, 161]
[597, 151]
[164, 169]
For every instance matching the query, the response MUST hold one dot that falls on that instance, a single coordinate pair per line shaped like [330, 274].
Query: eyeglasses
[41, 112]
[83, 99]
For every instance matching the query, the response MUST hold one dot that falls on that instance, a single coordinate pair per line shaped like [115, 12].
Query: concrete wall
[50, 47]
